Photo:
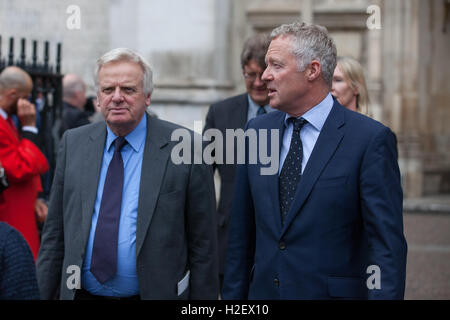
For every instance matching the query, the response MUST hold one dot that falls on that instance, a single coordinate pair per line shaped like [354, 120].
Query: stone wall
[46, 20]
[194, 49]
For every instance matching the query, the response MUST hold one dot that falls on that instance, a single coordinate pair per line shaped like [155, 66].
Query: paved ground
[428, 266]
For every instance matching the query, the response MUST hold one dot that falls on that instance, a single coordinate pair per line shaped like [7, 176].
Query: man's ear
[11, 93]
[147, 99]
[314, 70]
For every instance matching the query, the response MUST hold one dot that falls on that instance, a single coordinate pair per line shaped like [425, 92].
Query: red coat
[23, 163]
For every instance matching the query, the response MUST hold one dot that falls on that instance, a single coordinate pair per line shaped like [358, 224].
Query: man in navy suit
[329, 224]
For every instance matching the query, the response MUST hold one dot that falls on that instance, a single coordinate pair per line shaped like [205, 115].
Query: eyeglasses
[252, 76]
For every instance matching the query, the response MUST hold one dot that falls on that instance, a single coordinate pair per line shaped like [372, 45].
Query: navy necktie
[104, 252]
[261, 110]
[292, 169]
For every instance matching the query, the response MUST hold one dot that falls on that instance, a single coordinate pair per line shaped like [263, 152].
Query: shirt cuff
[30, 129]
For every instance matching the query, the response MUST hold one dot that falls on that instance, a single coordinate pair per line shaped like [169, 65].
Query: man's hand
[41, 209]
[26, 112]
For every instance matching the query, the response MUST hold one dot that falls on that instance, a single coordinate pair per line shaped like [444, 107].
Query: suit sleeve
[241, 238]
[51, 252]
[33, 137]
[22, 160]
[202, 234]
[382, 199]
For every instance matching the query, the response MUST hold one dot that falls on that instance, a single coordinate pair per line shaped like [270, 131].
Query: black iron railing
[46, 94]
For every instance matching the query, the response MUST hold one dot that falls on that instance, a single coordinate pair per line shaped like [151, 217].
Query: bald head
[74, 90]
[15, 84]
[15, 78]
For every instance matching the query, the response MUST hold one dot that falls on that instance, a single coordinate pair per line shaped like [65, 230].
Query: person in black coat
[74, 100]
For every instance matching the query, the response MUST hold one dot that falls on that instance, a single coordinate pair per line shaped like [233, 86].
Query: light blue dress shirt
[125, 282]
[316, 117]
[253, 108]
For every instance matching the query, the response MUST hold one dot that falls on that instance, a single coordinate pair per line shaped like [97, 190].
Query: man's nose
[265, 76]
[258, 81]
[117, 96]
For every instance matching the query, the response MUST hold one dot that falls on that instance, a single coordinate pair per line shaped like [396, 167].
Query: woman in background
[349, 85]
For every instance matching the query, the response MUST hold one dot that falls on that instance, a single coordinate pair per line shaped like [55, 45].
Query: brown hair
[255, 48]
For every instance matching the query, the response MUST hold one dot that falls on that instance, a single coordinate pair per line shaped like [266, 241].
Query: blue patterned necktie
[104, 252]
[292, 169]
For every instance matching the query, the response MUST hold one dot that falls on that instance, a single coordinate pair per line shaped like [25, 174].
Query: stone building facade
[194, 47]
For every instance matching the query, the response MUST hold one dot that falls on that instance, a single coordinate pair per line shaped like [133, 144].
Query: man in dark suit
[74, 100]
[122, 215]
[233, 113]
[329, 224]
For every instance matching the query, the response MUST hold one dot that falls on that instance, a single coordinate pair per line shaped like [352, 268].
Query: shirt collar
[3, 114]
[253, 105]
[135, 138]
[317, 115]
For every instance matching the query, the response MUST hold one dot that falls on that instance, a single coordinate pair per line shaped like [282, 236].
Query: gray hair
[255, 48]
[310, 42]
[125, 54]
[71, 85]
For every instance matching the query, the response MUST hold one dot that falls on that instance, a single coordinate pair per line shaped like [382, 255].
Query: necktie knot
[119, 143]
[261, 110]
[298, 123]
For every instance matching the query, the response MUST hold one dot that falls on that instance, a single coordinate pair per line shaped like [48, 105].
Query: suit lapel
[327, 143]
[156, 155]
[89, 177]
[238, 116]
[272, 180]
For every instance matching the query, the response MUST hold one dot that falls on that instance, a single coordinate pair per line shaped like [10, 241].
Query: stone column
[400, 79]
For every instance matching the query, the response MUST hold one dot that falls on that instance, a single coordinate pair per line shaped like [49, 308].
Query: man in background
[233, 113]
[74, 100]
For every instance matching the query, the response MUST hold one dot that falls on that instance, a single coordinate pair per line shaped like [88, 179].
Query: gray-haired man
[331, 218]
[122, 216]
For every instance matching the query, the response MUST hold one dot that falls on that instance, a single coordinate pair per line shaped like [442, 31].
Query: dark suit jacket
[72, 117]
[227, 114]
[345, 217]
[176, 215]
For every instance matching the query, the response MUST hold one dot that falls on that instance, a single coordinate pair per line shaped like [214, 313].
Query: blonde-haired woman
[349, 85]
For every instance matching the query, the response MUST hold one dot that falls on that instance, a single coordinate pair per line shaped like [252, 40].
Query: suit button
[282, 245]
[276, 282]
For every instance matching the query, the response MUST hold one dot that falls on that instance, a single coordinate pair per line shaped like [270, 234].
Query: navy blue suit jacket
[345, 217]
